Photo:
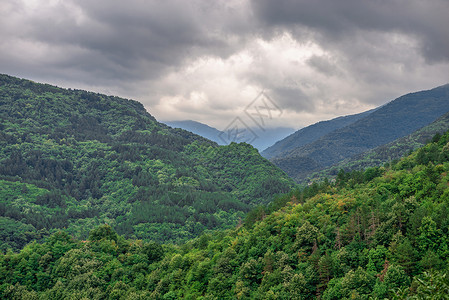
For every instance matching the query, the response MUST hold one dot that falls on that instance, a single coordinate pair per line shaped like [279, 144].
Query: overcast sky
[208, 60]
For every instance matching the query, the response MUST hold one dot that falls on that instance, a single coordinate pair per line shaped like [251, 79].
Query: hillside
[380, 235]
[396, 119]
[388, 152]
[74, 159]
[310, 134]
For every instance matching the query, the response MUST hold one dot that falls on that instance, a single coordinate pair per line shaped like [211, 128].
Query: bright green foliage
[356, 239]
[104, 232]
[429, 285]
[74, 159]
[431, 238]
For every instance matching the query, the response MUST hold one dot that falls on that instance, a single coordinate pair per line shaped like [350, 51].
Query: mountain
[310, 134]
[199, 129]
[268, 136]
[382, 235]
[74, 159]
[263, 137]
[388, 152]
[396, 119]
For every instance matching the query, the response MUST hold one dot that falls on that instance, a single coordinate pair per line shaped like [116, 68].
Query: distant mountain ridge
[264, 137]
[310, 134]
[386, 153]
[396, 119]
[201, 129]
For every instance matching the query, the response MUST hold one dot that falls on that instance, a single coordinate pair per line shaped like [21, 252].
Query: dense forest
[72, 160]
[373, 234]
[100, 201]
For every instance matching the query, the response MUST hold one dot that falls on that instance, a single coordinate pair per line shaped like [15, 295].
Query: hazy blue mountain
[269, 136]
[198, 128]
[396, 119]
[310, 134]
[262, 138]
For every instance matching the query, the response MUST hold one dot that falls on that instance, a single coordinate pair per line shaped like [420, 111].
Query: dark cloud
[319, 57]
[427, 21]
[125, 40]
[293, 99]
[323, 65]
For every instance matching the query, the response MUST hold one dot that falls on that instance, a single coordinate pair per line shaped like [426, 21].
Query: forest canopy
[72, 160]
[379, 233]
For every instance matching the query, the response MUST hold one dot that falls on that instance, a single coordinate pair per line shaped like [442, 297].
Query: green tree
[103, 232]
[431, 238]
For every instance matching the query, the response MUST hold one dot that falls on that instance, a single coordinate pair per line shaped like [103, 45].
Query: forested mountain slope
[75, 159]
[386, 153]
[396, 119]
[381, 233]
[310, 134]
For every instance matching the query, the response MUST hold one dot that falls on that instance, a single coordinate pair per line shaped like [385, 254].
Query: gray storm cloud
[426, 21]
[317, 59]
